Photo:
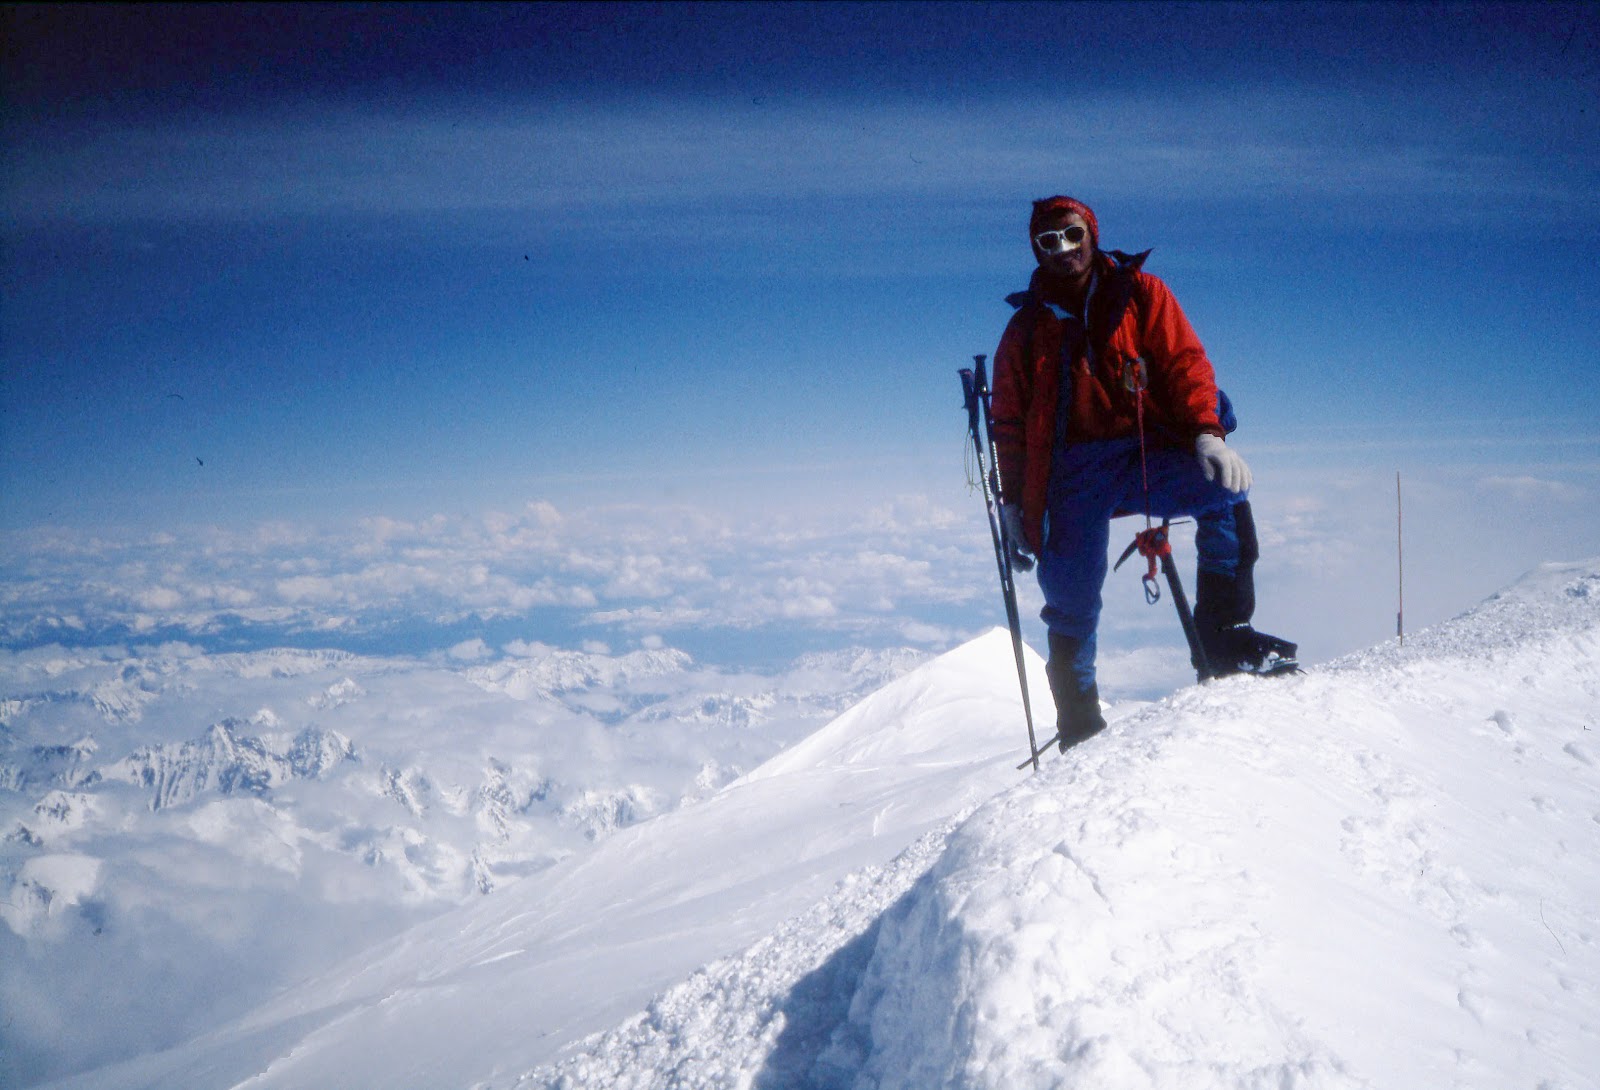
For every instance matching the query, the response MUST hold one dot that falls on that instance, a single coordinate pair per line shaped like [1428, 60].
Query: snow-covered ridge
[1380, 874]
[185, 832]
[1377, 874]
[577, 947]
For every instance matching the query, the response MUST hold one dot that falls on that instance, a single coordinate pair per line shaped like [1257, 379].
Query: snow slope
[489, 991]
[1380, 874]
[182, 833]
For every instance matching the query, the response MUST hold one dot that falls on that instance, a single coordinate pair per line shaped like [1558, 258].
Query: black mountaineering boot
[1080, 719]
[1223, 608]
[1222, 617]
[1077, 710]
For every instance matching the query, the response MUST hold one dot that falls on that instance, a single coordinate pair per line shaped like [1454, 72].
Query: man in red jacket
[1097, 355]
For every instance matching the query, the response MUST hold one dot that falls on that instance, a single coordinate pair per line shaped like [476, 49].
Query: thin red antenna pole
[1400, 559]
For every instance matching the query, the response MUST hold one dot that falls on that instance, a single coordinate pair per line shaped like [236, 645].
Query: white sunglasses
[1062, 241]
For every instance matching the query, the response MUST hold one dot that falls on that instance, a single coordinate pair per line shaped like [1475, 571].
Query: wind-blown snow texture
[1379, 874]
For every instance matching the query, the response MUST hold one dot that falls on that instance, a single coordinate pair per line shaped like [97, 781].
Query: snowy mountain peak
[227, 760]
[581, 944]
[1373, 876]
[48, 765]
[270, 813]
[554, 672]
[910, 720]
[1377, 874]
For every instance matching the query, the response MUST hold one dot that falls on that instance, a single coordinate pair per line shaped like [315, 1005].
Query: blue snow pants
[1091, 482]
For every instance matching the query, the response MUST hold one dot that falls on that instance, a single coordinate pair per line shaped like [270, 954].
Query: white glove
[1016, 538]
[1220, 464]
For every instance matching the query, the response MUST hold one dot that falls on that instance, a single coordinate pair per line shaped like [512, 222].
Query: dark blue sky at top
[157, 57]
[271, 261]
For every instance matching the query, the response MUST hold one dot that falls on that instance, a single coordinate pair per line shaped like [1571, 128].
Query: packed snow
[1380, 873]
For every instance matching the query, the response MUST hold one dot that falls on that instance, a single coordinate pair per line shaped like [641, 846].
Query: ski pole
[975, 390]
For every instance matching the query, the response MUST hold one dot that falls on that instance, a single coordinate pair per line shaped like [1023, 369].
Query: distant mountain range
[148, 793]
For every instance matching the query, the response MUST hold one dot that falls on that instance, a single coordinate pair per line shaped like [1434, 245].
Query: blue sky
[305, 265]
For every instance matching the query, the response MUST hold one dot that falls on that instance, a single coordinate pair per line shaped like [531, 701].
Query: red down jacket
[1180, 400]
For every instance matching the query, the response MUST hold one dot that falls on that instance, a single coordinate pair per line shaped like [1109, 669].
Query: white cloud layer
[747, 591]
[633, 570]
